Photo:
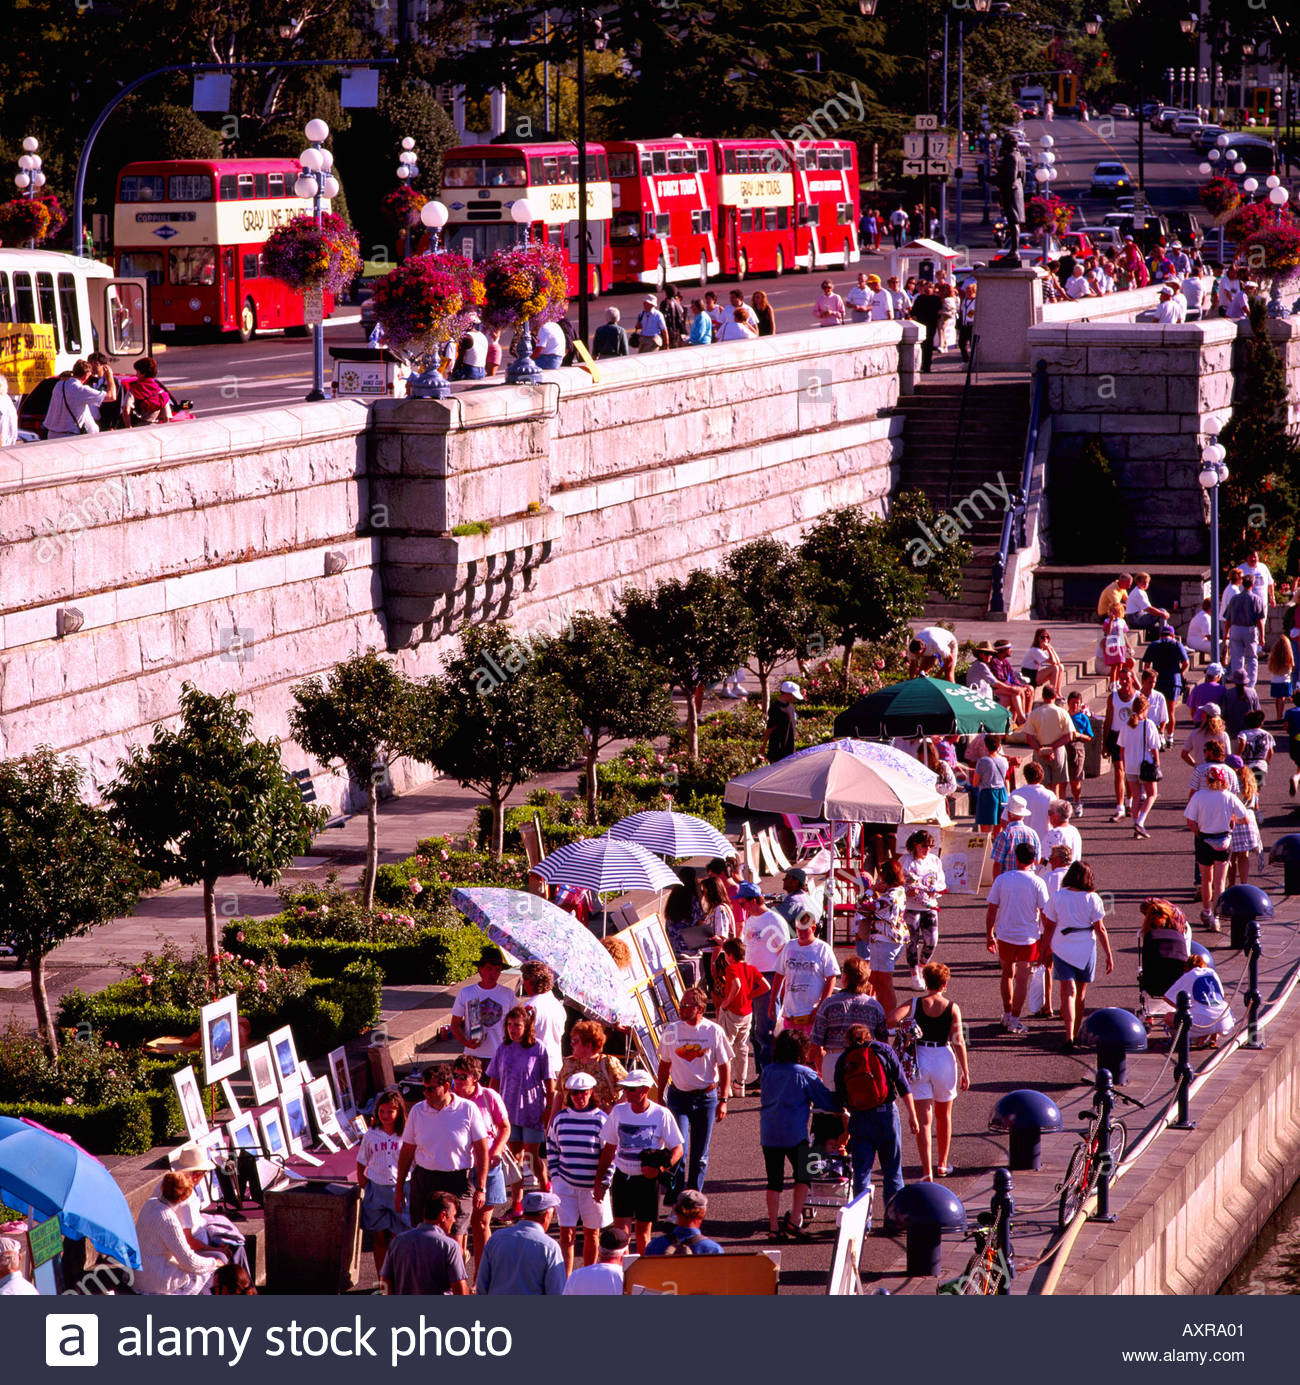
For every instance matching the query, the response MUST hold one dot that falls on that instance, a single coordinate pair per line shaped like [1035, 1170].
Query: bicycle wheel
[1118, 1144]
[1072, 1190]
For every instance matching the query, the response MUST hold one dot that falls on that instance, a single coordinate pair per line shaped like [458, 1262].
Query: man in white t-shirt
[765, 934]
[805, 975]
[641, 1140]
[1062, 832]
[1166, 309]
[606, 1275]
[1036, 799]
[445, 1149]
[1157, 705]
[479, 1011]
[549, 1016]
[859, 300]
[932, 647]
[1013, 924]
[694, 1080]
[1263, 583]
[1077, 285]
[1199, 629]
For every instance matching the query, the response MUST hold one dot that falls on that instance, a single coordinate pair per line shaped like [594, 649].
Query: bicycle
[987, 1271]
[1084, 1168]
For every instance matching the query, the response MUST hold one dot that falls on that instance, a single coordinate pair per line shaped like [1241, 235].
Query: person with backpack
[673, 311]
[868, 1079]
[686, 1238]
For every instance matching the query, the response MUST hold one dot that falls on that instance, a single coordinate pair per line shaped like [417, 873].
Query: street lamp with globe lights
[317, 181]
[434, 215]
[523, 370]
[1212, 475]
[29, 179]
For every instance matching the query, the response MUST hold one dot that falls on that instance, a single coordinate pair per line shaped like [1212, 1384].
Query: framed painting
[284, 1058]
[341, 1076]
[261, 1073]
[219, 1030]
[190, 1097]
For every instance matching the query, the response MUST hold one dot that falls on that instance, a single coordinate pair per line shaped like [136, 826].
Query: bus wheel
[780, 262]
[704, 271]
[247, 321]
[742, 266]
[662, 285]
[848, 250]
[597, 287]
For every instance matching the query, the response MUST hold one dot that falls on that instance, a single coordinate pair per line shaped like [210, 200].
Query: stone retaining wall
[247, 553]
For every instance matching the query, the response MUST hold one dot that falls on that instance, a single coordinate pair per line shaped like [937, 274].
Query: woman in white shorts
[941, 1067]
[573, 1148]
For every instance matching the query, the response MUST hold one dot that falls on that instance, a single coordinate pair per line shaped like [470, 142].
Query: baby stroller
[830, 1172]
[1164, 959]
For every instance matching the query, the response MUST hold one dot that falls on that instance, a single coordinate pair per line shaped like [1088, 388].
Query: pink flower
[301, 911]
[284, 937]
[239, 937]
[68, 1101]
[110, 1072]
[444, 856]
[415, 887]
[146, 979]
[261, 985]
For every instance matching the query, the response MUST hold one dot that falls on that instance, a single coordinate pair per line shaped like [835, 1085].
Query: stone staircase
[987, 468]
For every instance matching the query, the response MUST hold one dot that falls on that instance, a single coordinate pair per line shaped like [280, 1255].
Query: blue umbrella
[47, 1172]
[602, 863]
[672, 834]
[533, 928]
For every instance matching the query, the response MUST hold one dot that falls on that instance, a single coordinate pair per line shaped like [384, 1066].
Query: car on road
[1110, 178]
[1186, 125]
[1205, 137]
[1121, 112]
[1107, 239]
[1153, 229]
[1183, 226]
[1165, 117]
[1030, 110]
[1149, 109]
[1256, 153]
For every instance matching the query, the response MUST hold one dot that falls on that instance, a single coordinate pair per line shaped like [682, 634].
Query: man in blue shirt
[690, 1209]
[523, 1259]
[652, 328]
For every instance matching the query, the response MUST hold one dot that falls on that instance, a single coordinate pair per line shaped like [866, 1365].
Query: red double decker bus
[195, 228]
[826, 204]
[481, 184]
[662, 229]
[753, 189]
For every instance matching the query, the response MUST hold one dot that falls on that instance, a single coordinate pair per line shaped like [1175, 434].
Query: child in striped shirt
[573, 1149]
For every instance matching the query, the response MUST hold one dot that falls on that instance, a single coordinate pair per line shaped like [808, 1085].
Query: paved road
[230, 377]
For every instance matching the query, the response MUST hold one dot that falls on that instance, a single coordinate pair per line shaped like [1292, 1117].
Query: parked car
[1186, 125]
[1205, 137]
[1153, 230]
[1166, 116]
[1110, 178]
[1256, 153]
[1149, 109]
[1030, 110]
[1121, 112]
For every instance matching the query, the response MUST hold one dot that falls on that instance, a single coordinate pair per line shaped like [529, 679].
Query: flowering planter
[427, 302]
[306, 256]
[525, 284]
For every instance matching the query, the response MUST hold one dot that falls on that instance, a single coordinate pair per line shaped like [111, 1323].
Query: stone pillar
[1010, 302]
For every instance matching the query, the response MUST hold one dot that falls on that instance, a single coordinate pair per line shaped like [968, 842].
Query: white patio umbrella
[877, 753]
[672, 834]
[833, 784]
[603, 864]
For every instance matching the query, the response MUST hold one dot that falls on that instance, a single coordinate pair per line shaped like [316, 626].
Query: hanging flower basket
[1220, 197]
[429, 300]
[1050, 212]
[1255, 216]
[1272, 251]
[24, 219]
[401, 208]
[525, 284]
[306, 256]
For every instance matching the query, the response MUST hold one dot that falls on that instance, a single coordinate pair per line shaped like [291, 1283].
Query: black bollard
[1183, 1065]
[1253, 997]
[1105, 1106]
[1002, 1206]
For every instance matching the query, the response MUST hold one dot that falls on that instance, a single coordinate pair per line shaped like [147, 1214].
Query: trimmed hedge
[434, 956]
[334, 1010]
[118, 1127]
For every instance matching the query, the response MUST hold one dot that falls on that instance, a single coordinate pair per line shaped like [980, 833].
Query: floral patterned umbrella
[533, 928]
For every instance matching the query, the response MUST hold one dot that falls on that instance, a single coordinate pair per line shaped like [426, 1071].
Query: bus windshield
[485, 173]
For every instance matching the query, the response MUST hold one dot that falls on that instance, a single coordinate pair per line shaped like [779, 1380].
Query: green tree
[615, 692]
[209, 799]
[697, 631]
[1259, 503]
[772, 580]
[495, 718]
[365, 716]
[63, 870]
[871, 575]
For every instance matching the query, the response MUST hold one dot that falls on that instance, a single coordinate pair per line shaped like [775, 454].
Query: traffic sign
[914, 146]
[913, 168]
[939, 166]
[927, 122]
[936, 146]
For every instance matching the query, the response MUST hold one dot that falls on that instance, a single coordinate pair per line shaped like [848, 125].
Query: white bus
[56, 309]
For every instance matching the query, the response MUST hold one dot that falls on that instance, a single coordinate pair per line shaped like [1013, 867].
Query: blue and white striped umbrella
[602, 864]
[672, 834]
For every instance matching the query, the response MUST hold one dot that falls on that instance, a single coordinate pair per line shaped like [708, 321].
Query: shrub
[124, 1126]
[88, 1073]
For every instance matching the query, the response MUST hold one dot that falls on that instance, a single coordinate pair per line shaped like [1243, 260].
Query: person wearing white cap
[522, 1259]
[573, 1144]
[641, 1140]
[651, 329]
[1166, 309]
[781, 721]
[12, 1280]
[1016, 832]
